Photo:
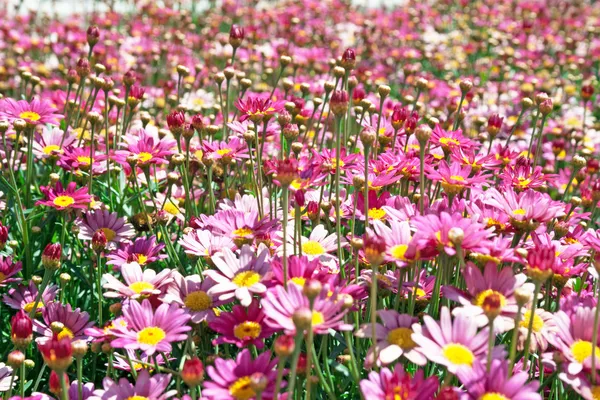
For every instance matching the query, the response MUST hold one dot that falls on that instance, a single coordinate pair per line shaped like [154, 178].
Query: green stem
[530, 327]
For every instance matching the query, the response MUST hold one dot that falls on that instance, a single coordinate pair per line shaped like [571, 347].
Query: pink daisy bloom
[191, 293]
[51, 142]
[256, 108]
[75, 322]
[497, 383]
[143, 250]
[242, 326]
[202, 243]
[145, 387]
[319, 245]
[397, 237]
[8, 269]
[450, 140]
[114, 228]
[300, 270]
[386, 385]
[34, 113]
[151, 331]
[64, 199]
[23, 297]
[574, 339]
[233, 149]
[238, 277]
[231, 379]
[394, 339]
[242, 227]
[280, 305]
[453, 344]
[138, 283]
[148, 148]
[77, 159]
[527, 209]
[454, 178]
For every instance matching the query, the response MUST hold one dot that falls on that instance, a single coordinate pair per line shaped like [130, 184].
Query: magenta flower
[34, 113]
[387, 385]
[23, 297]
[256, 108]
[8, 270]
[238, 277]
[191, 293]
[75, 322]
[138, 283]
[151, 331]
[242, 326]
[497, 384]
[145, 387]
[280, 305]
[453, 344]
[64, 199]
[394, 339]
[115, 229]
[143, 251]
[230, 379]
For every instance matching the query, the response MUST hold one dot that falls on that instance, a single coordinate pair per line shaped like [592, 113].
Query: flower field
[300, 200]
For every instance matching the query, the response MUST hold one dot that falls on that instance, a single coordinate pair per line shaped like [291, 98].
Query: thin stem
[530, 327]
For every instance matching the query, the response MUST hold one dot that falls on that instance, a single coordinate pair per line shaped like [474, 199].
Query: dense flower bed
[301, 200]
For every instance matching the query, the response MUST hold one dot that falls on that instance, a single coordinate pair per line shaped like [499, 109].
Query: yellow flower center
[151, 336]
[457, 178]
[63, 201]
[223, 152]
[582, 350]
[376, 213]
[313, 248]
[171, 208]
[519, 211]
[51, 148]
[242, 232]
[317, 318]
[29, 306]
[109, 233]
[458, 354]
[247, 329]
[65, 333]
[141, 259]
[419, 293]
[335, 162]
[446, 141]
[141, 286]
[30, 115]
[480, 298]
[246, 279]
[84, 160]
[493, 396]
[241, 389]
[144, 157]
[2, 277]
[138, 366]
[401, 337]
[538, 322]
[595, 392]
[398, 251]
[298, 280]
[198, 301]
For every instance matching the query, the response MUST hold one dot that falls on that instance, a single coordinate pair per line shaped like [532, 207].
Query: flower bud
[93, 35]
[284, 346]
[312, 289]
[348, 59]
[236, 36]
[546, 107]
[374, 248]
[51, 256]
[57, 353]
[465, 86]
[16, 358]
[368, 136]
[302, 318]
[258, 382]
[423, 133]
[99, 241]
[339, 102]
[80, 348]
[193, 372]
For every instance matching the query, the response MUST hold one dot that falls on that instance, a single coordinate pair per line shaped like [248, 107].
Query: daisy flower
[394, 339]
[235, 149]
[256, 108]
[23, 297]
[146, 387]
[65, 199]
[450, 140]
[143, 250]
[242, 326]
[146, 147]
[543, 327]
[115, 229]
[34, 113]
[51, 142]
[151, 331]
[8, 269]
[280, 305]
[231, 379]
[75, 322]
[453, 344]
[191, 293]
[242, 227]
[87, 390]
[497, 383]
[574, 339]
[238, 277]
[385, 385]
[319, 245]
[454, 178]
[202, 243]
[138, 283]
[77, 159]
